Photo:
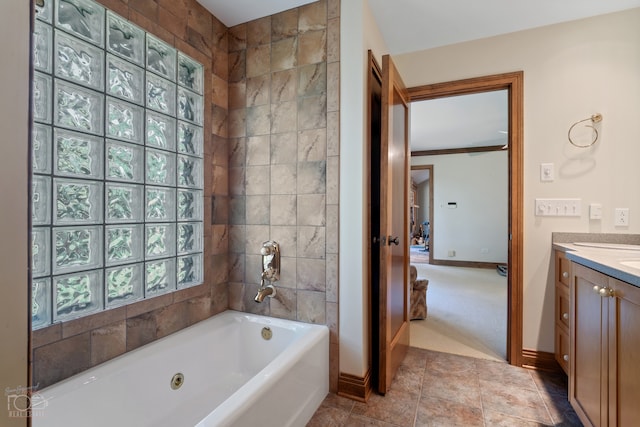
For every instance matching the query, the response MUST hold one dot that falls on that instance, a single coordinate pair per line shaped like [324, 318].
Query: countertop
[605, 259]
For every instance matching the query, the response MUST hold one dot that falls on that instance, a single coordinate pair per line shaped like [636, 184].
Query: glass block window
[117, 148]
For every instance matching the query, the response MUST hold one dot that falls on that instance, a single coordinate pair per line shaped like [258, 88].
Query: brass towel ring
[596, 118]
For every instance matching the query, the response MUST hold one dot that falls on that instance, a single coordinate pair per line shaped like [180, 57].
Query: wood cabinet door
[624, 354]
[589, 347]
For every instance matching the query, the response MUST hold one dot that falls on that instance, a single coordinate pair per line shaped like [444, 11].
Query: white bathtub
[232, 377]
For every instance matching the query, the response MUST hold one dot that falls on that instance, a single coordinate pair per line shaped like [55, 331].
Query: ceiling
[234, 12]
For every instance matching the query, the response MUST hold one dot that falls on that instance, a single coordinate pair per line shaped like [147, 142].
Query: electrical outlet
[452, 253]
[621, 217]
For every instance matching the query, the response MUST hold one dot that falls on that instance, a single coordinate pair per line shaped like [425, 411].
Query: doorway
[513, 83]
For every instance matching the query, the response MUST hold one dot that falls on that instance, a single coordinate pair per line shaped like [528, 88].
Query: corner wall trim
[354, 387]
[540, 361]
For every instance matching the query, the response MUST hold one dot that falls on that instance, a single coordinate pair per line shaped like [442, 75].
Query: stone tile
[218, 180]
[510, 399]
[333, 133]
[312, 209]
[312, 177]
[258, 150]
[327, 416]
[461, 389]
[333, 86]
[333, 323]
[237, 181]
[283, 86]
[333, 9]
[550, 384]
[331, 276]
[219, 209]
[408, 378]
[332, 229]
[46, 335]
[237, 95]
[310, 274]
[561, 411]
[238, 37]
[283, 304]
[220, 94]
[313, 16]
[237, 210]
[504, 373]
[284, 117]
[312, 47]
[256, 234]
[259, 31]
[237, 123]
[361, 421]
[451, 364]
[333, 40]
[236, 267]
[219, 239]
[258, 60]
[312, 79]
[148, 305]
[219, 150]
[141, 330]
[257, 180]
[258, 211]
[219, 297]
[221, 122]
[283, 209]
[173, 23]
[311, 242]
[236, 296]
[284, 147]
[284, 179]
[311, 307]
[397, 407]
[199, 41]
[61, 359]
[312, 112]
[199, 309]
[333, 180]
[84, 324]
[189, 293]
[258, 90]
[108, 342]
[237, 238]
[118, 6]
[259, 120]
[171, 319]
[237, 66]
[312, 145]
[496, 419]
[146, 8]
[200, 19]
[439, 412]
[288, 266]
[284, 24]
[237, 151]
[284, 54]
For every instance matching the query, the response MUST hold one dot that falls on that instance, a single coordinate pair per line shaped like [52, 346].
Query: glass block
[78, 61]
[124, 203]
[190, 139]
[161, 167]
[41, 200]
[77, 295]
[189, 271]
[123, 244]
[78, 108]
[160, 240]
[40, 251]
[160, 204]
[125, 39]
[82, 18]
[189, 172]
[160, 277]
[124, 121]
[40, 303]
[125, 80]
[161, 58]
[161, 131]
[190, 205]
[41, 148]
[77, 248]
[161, 95]
[77, 154]
[125, 162]
[42, 42]
[45, 12]
[41, 97]
[77, 202]
[190, 73]
[124, 285]
[189, 237]
[190, 106]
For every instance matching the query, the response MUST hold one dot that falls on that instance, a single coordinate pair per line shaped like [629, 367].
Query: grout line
[553, 421]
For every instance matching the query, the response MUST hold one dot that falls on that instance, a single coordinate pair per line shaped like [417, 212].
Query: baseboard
[471, 264]
[540, 361]
[354, 387]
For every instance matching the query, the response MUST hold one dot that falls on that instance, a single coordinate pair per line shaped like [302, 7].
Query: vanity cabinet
[604, 374]
[562, 310]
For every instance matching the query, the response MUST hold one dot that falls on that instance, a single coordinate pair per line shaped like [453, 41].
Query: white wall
[478, 184]
[358, 34]
[14, 121]
[423, 201]
[571, 71]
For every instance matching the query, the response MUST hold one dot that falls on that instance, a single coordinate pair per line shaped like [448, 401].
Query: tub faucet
[264, 291]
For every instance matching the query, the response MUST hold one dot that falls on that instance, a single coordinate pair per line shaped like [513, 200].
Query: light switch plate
[546, 172]
[558, 207]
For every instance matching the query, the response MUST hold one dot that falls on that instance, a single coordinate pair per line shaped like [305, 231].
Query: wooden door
[394, 217]
[624, 354]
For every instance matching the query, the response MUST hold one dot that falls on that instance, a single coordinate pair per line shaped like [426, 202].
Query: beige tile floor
[440, 389]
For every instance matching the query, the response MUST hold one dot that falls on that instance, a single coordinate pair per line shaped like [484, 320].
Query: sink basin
[633, 263]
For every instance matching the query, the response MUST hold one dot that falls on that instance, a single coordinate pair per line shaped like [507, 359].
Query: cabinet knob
[606, 292]
[566, 357]
[596, 289]
[565, 316]
[565, 274]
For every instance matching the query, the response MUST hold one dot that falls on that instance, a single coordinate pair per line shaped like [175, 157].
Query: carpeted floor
[467, 312]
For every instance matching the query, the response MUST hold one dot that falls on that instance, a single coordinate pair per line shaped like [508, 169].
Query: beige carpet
[467, 312]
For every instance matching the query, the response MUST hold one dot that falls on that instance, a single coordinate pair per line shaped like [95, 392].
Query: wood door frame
[430, 169]
[514, 83]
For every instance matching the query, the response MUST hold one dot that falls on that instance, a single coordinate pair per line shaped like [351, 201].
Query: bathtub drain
[266, 333]
[177, 381]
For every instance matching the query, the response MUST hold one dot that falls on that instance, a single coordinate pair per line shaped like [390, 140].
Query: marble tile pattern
[440, 389]
[283, 161]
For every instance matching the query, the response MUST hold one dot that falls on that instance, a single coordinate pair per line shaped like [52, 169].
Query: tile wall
[271, 172]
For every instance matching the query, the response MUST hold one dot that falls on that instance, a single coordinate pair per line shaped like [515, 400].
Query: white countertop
[608, 259]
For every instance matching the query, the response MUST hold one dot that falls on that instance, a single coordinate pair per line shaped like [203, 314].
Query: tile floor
[440, 389]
